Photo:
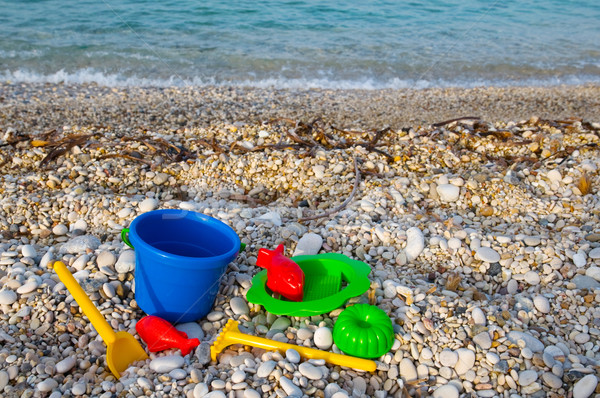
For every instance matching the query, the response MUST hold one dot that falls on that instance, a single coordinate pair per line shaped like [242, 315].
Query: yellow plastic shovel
[121, 348]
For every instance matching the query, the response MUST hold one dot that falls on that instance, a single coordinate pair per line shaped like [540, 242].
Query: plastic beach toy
[330, 280]
[364, 331]
[283, 275]
[180, 257]
[232, 335]
[121, 348]
[160, 335]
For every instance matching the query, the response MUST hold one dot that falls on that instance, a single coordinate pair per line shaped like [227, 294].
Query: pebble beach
[478, 211]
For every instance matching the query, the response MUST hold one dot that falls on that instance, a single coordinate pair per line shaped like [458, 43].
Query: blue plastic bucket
[180, 257]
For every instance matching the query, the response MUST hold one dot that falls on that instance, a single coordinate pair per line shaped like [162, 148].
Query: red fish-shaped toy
[160, 335]
[283, 275]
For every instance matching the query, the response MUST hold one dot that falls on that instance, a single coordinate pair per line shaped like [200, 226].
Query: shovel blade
[123, 352]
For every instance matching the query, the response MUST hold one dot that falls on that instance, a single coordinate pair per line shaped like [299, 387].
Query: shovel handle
[87, 307]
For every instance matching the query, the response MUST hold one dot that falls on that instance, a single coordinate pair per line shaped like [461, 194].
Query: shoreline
[483, 236]
[349, 109]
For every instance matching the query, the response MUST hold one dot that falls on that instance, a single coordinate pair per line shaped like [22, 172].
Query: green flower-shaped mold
[330, 279]
[363, 331]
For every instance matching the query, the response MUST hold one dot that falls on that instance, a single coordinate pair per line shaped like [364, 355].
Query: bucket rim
[201, 217]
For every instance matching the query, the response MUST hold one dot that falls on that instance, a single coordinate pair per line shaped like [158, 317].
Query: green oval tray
[330, 279]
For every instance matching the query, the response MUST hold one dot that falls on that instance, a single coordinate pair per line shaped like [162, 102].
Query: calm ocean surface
[311, 43]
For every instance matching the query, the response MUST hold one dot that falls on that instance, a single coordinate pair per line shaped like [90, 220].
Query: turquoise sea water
[366, 44]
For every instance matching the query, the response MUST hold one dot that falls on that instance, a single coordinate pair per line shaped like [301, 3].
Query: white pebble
[289, 387]
[593, 272]
[323, 338]
[126, 262]
[250, 393]
[448, 192]
[239, 306]
[309, 244]
[47, 385]
[7, 297]
[79, 388]
[148, 204]
[65, 365]
[28, 251]
[532, 277]
[292, 355]
[541, 304]
[526, 377]
[466, 361]
[60, 229]
[585, 387]
[446, 391]
[415, 243]
[167, 363]
[310, 371]
[478, 316]
[579, 259]
[192, 329]
[28, 287]
[200, 390]
[265, 369]
[448, 358]
[238, 376]
[487, 254]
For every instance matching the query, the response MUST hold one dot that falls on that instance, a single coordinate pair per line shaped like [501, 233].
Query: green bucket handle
[125, 238]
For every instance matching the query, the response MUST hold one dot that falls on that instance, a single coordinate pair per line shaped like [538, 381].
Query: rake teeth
[222, 341]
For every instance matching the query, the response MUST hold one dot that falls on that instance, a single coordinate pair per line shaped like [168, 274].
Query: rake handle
[236, 337]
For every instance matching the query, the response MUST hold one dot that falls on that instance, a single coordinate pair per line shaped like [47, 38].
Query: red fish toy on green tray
[284, 276]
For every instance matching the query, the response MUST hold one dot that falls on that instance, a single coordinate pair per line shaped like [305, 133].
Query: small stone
[281, 323]
[145, 383]
[250, 393]
[448, 358]
[487, 254]
[532, 240]
[215, 394]
[60, 229]
[532, 277]
[585, 387]
[448, 192]
[310, 371]
[512, 287]
[530, 342]
[126, 262]
[526, 377]
[200, 390]
[408, 371]
[478, 316]
[304, 334]
[178, 374]
[415, 243]
[554, 176]
[28, 251]
[148, 204]
[466, 361]
[265, 368]
[541, 304]
[593, 272]
[192, 329]
[4, 379]
[594, 254]
[292, 355]
[273, 217]
[79, 388]
[239, 306]
[7, 297]
[80, 244]
[28, 287]
[106, 259]
[309, 244]
[289, 387]
[238, 376]
[65, 365]
[323, 338]
[492, 357]
[160, 178]
[446, 391]
[81, 262]
[167, 363]
[47, 385]
[483, 340]
[552, 380]
[203, 353]
[585, 282]
[579, 259]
